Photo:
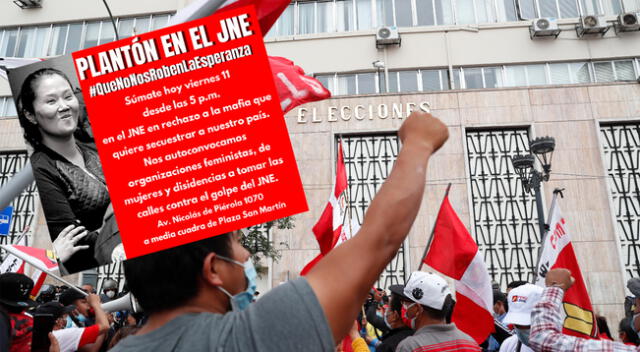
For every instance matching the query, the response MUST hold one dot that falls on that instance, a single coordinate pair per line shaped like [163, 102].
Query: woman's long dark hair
[25, 103]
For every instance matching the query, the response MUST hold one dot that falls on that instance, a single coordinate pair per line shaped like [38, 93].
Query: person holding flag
[547, 321]
[557, 252]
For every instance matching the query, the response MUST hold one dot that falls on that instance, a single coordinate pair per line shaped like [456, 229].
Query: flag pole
[48, 272]
[543, 237]
[446, 194]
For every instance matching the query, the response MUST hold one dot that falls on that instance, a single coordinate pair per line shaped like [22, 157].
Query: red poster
[190, 131]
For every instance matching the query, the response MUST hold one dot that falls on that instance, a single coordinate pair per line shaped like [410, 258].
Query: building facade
[475, 65]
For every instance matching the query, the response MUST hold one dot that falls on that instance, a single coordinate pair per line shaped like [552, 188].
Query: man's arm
[342, 279]
[546, 322]
[101, 320]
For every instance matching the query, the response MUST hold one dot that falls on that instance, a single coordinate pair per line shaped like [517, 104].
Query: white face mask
[110, 294]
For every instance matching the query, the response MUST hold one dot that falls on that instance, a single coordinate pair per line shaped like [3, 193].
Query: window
[465, 12]
[506, 10]
[346, 85]
[431, 80]
[424, 9]
[408, 81]
[7, 107]
[403, 13]
[473, 78]
[483, 77]
[364, 14]
[527, 9]
[307, 18]
[620, 148]
[59, 39]
[367, 83]
[536, 75]
[624, 70]
[516, 76]
[560, 74]
[503, 215]
[580, 72]
[604, 71]
[325, 17]
[92, 35]
[9, 41]
[344, 15]
[107, 33]
[385, 12]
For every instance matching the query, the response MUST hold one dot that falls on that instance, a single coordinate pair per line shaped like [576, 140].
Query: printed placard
[190, 131]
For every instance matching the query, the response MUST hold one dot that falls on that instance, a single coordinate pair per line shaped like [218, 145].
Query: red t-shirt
[21, 331]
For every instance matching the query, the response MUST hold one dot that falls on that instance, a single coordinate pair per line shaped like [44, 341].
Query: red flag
[294, 88]
[558, 252]
[330, 230]
[454, 253]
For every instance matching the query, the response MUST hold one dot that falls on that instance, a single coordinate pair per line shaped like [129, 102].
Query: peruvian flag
[42, 260]
[330, 230]
[558, 252]
[455, 254]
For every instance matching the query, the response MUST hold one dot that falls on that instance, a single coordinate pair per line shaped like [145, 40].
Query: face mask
[523, 335]
[386, 319]
[410, 322]
[110, 294]
[242, 300]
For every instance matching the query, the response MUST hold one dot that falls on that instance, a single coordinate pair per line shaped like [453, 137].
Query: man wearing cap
[398, 331]
[14, 298]
[521, 301]
[429, 301]
[81, 318]
[72, 339]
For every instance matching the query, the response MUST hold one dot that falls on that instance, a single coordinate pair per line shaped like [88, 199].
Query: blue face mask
[242, 300]
[523, 335]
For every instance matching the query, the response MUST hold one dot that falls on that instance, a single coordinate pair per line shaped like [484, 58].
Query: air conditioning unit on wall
[592, 24]
[387, 35]
[628, 22]
[544, 28]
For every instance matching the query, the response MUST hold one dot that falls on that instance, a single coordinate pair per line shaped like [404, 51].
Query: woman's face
[56, 108]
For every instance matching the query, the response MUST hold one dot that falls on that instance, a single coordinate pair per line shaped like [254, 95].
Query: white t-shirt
[71, 339]
[511, 345]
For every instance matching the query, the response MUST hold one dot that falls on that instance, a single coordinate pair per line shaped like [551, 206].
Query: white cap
[427, 289]
[521, 301]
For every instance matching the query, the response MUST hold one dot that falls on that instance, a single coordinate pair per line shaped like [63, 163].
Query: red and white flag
[454, 253]
[557, 252]
[12, 263]
[41, 259]
[331, 230]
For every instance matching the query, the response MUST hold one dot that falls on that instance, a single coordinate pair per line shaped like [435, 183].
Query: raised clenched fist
[423, 128]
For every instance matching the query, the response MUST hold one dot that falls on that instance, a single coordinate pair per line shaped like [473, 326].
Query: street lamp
[524, 165]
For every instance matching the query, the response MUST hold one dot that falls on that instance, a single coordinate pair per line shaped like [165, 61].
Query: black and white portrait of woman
[66, 166]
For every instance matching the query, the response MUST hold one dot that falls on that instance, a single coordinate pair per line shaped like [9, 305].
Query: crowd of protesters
[71, 320]
[202, 296]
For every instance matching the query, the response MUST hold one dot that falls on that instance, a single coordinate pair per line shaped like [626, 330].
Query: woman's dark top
[71, 195]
